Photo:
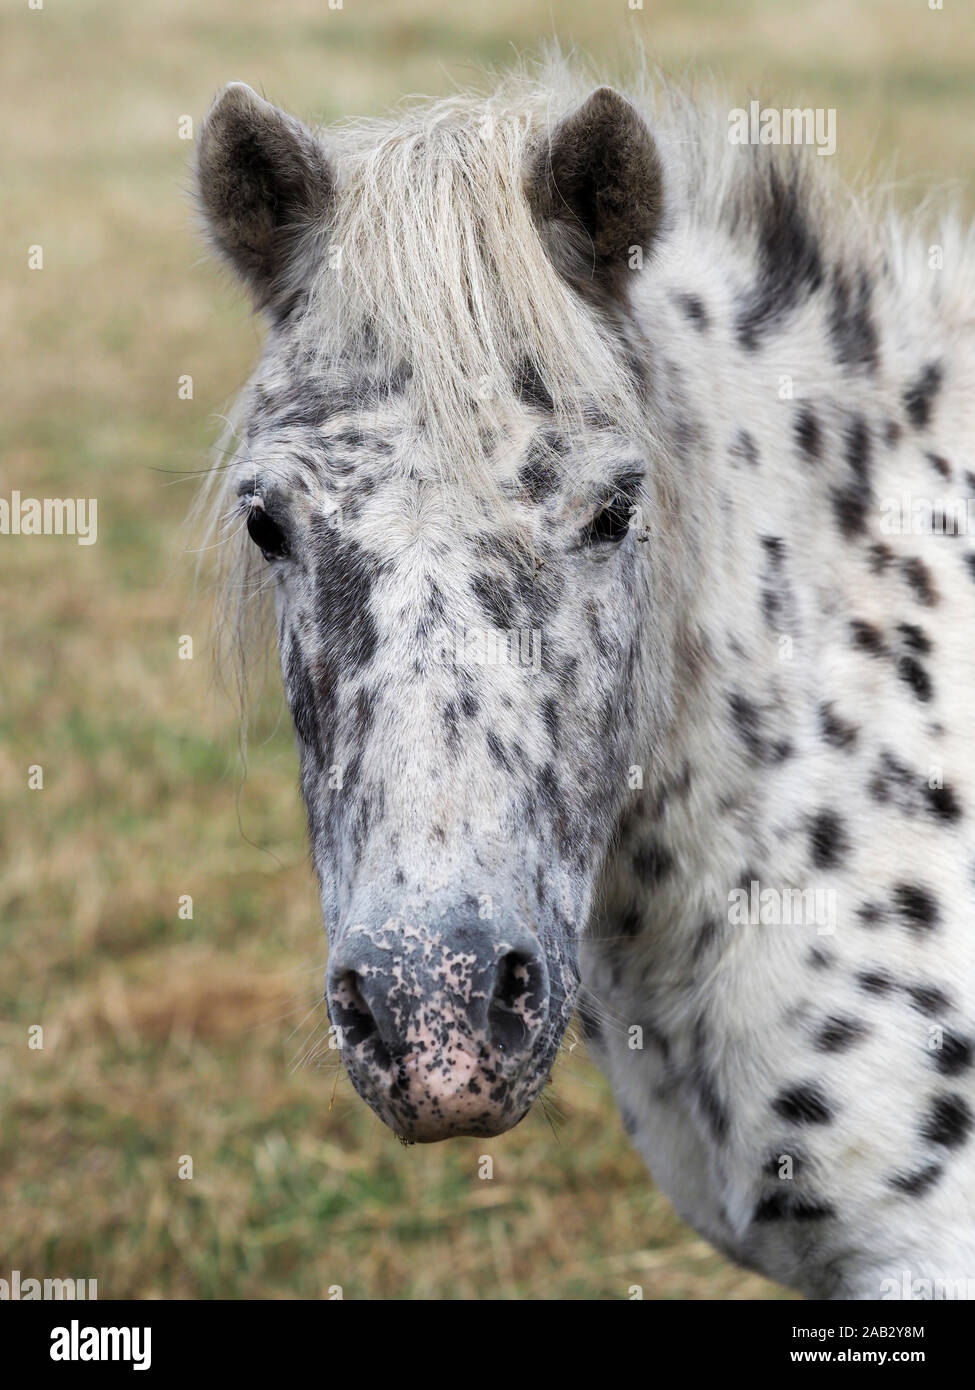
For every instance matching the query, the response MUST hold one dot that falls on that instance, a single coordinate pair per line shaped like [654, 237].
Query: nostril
[351, 1014]
[518, 991]
[349, 985]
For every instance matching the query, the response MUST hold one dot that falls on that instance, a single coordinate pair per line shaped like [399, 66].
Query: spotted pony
[574, 467]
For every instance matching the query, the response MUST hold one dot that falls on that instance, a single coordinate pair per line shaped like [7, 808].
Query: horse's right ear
[263, 183]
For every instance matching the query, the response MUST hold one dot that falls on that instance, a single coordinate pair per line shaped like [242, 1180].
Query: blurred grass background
[167, 1037]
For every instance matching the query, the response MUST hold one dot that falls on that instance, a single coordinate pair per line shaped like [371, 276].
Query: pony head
[439, 471]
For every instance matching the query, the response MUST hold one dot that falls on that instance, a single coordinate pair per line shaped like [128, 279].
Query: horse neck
[749, 560]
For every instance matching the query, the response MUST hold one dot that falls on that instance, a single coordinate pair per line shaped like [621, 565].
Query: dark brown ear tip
[235, 90]
[608, 99]
[607, 108]
[237, 97]
[234, 103]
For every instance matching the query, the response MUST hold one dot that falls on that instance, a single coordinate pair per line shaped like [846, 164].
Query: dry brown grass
[166, 1037]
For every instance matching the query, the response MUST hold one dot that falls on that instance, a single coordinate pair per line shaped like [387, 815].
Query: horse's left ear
[595, 189]
[264, 183]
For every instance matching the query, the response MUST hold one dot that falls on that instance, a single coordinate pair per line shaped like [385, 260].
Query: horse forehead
[380, 462]
[390, 448]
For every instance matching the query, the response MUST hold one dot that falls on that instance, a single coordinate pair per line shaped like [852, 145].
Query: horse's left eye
[611, 523]
[266, 534]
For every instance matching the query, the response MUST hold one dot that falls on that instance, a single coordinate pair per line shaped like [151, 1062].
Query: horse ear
[263, 181]
[595, 189]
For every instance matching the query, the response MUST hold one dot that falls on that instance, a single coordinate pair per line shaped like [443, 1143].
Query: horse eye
[611, 523]
[266, 534]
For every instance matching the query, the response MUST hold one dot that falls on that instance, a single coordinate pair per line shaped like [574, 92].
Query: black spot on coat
[786, 1206]
[344, 576]
[694, 308]
[916, 1184]
[744, 447]
[867, 638]
[928, 999]
[919, 396]
[651, 861]
[916, 906]
[913, 674]
[948, 1121]
[828, 839]
[851, 325]
[918, 576]
[852, 501]
[493, 596]
[838, 733]
[839, 1033]
[808, 434]
[790, 264]
[954, 1055]
[803, 1104]
[875, 981]
[748, 721]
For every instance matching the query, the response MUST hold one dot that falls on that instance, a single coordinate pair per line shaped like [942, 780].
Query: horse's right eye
[266, 534]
